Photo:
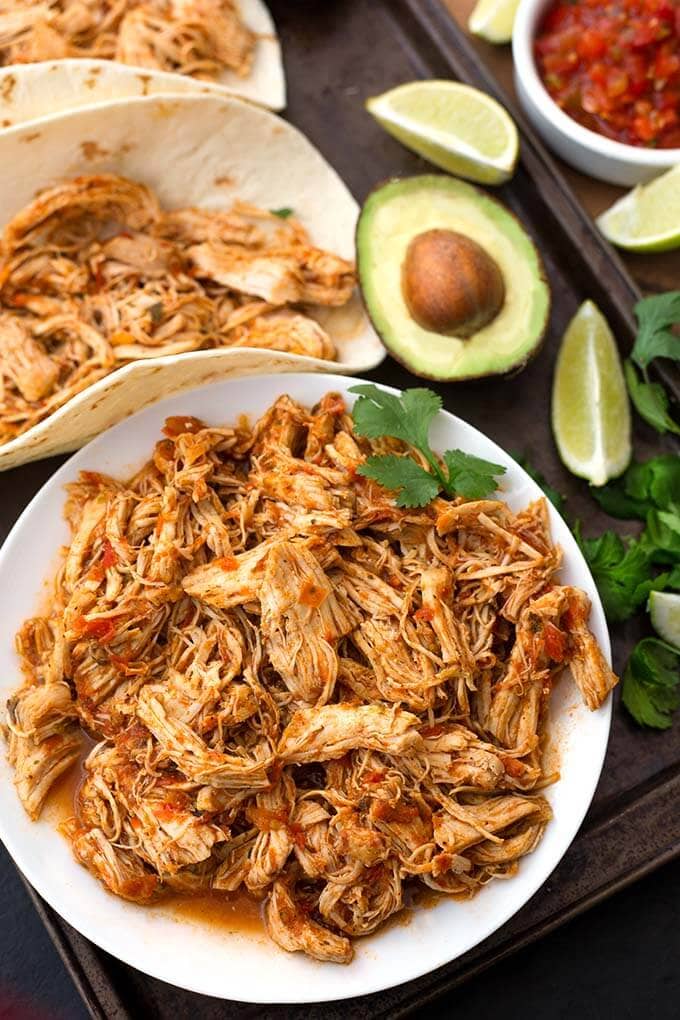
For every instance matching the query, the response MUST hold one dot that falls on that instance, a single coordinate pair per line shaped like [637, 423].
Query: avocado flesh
[401, 209]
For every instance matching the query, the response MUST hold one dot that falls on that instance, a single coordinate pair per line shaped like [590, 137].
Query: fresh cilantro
[622, 571]
[653, 483]
[415, 486]
[655, 339]
[616, 502]
[471, 476]
[657, 480]
[555, 497]
[650, 683]
[656, 316]
[408, 418]
[661, 537]
[650, 401]
[282, 213]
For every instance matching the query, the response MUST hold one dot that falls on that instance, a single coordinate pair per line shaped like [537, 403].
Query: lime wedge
[493, 20]
[648, 217]
[664, 611]
[590, 410]
[456, 127]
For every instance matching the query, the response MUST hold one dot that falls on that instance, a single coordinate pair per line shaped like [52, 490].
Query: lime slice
[456, 127]
[648, 217]
[664, 611]
[590, 410]
[493, 20]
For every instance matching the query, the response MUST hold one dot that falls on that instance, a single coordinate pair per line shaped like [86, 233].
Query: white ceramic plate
[239, 966]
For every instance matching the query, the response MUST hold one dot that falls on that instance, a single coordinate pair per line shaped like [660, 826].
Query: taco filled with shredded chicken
[57, 55]
[190, 239]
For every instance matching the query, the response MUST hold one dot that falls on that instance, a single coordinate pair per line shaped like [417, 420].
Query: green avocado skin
[402, 208]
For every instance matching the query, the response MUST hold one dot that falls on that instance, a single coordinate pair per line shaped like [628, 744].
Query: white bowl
[241, 966]
[583, 149]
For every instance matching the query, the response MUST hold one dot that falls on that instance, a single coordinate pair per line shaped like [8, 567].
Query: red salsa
[615, 67]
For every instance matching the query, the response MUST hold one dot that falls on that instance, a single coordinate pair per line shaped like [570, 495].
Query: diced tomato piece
[227, 562]
[110, 558]
[311, 595]
[513, 767]
[591, 45]
[373, 777]
[178, 424]
[99, 630]
[555, 643]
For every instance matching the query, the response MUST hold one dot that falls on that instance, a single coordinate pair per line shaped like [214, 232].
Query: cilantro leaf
[414, 485]
[657, 480]
[651, 483]
[621, 571]
[555, 497]
[661, 537]
[408, 417]
[673, 578]
[651, 683]
[471, 476]
[655, 338]
[616, 502]
[650, 401]
[282, 213]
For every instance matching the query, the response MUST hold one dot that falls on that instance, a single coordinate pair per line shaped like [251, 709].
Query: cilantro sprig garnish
[651, 690]
[378, 414]
[656, 317]
[652, 484]
[626, 571]
[622, 570]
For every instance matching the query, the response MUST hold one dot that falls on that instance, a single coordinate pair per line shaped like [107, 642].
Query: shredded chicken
[200, 38]
[299, 689]
[95, 275]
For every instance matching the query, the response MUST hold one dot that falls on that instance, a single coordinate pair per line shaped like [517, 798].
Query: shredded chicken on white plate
[95, 275]
[298, 689]
[200, 38]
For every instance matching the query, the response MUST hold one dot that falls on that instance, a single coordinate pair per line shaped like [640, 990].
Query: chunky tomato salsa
[615, 67]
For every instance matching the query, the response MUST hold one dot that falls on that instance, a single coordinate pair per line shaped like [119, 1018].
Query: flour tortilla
[30, 91]
[192, 150]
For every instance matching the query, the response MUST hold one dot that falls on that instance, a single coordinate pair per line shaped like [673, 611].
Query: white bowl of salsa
[621, 88]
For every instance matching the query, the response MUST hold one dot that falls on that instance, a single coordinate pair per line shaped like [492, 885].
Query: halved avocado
[400, 212]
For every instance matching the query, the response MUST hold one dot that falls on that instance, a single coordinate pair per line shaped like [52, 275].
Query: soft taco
[154, 244]
[58, 55]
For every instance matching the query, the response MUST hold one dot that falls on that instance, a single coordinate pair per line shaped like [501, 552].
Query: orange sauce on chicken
[311, 595]
[60, 803]
[228, 912]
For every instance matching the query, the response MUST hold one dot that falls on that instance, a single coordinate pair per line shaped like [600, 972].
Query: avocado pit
[450, 284]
